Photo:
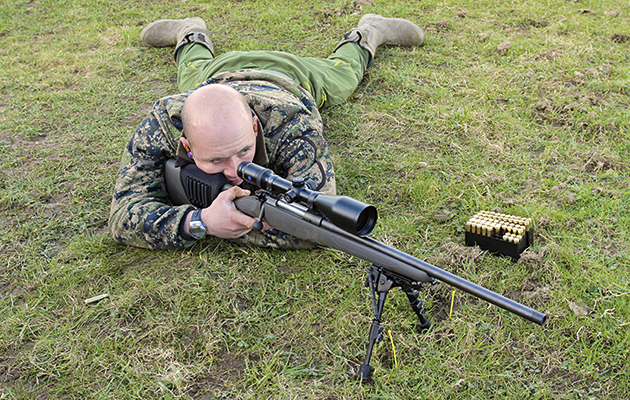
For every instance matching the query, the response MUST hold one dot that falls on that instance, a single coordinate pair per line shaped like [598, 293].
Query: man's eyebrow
[217, 159]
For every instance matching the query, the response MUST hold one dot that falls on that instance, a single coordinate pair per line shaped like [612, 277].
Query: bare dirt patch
[352, 7]
[619, 38]
[228, 367]
[451, 254]
[598, 161]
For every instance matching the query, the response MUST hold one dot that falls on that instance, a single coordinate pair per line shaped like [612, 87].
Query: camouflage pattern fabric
[142, 214]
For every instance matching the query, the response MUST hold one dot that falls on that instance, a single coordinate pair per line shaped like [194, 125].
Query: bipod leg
[379, 285]
[416, 306]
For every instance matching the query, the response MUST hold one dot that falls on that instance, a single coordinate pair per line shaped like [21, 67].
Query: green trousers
[330, 80]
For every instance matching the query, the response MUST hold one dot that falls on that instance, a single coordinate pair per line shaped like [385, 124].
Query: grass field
[521, 107]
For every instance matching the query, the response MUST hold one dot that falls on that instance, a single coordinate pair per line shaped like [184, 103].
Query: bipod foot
[423, 326]
[365, 373]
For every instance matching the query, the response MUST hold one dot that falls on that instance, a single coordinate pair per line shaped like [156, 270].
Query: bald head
[220, 129]
[215, 110]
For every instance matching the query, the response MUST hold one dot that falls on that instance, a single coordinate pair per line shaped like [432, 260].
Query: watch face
[197, 229]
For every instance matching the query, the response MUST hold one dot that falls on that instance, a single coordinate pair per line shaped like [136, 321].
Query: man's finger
[244, 220]
[240, 192]
[233, 193]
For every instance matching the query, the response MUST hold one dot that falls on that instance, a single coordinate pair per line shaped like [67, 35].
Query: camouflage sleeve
[307, 159]
[306, 154]
[141, 213]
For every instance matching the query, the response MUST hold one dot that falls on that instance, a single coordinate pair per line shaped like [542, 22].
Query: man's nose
[230, 168]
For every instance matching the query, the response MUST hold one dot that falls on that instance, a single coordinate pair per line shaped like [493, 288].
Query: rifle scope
[347, 213]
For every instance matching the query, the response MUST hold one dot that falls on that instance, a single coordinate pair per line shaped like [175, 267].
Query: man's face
[223, 152]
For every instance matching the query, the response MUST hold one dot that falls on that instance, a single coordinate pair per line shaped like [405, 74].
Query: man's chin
[236, 182]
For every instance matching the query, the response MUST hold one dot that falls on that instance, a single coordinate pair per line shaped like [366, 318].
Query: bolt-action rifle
[338, 222]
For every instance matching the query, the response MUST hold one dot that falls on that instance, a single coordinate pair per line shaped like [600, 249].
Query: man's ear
[255, 120]
[186, 145]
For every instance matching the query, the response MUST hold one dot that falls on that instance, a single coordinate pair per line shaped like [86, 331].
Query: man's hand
[222, 219]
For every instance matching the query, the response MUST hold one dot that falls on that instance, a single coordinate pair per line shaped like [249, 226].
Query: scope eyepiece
[347, 213]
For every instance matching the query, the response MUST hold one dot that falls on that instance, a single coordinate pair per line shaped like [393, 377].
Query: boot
[374, 30]
[176, 32]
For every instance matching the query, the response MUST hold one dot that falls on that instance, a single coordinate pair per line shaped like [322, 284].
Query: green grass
[540, 129]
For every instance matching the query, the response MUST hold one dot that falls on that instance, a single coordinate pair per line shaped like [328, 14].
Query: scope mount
[298, 185]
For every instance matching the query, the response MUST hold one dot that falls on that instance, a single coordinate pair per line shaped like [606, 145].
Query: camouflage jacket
[141, 212]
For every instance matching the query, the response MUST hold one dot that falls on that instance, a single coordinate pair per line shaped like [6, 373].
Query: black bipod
[380, 282]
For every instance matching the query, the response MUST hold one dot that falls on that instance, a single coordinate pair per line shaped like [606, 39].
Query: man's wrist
[184, 225]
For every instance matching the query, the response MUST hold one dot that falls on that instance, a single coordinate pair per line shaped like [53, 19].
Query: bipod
[380, 282]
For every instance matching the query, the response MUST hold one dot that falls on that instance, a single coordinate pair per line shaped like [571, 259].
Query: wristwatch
[197, 229]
